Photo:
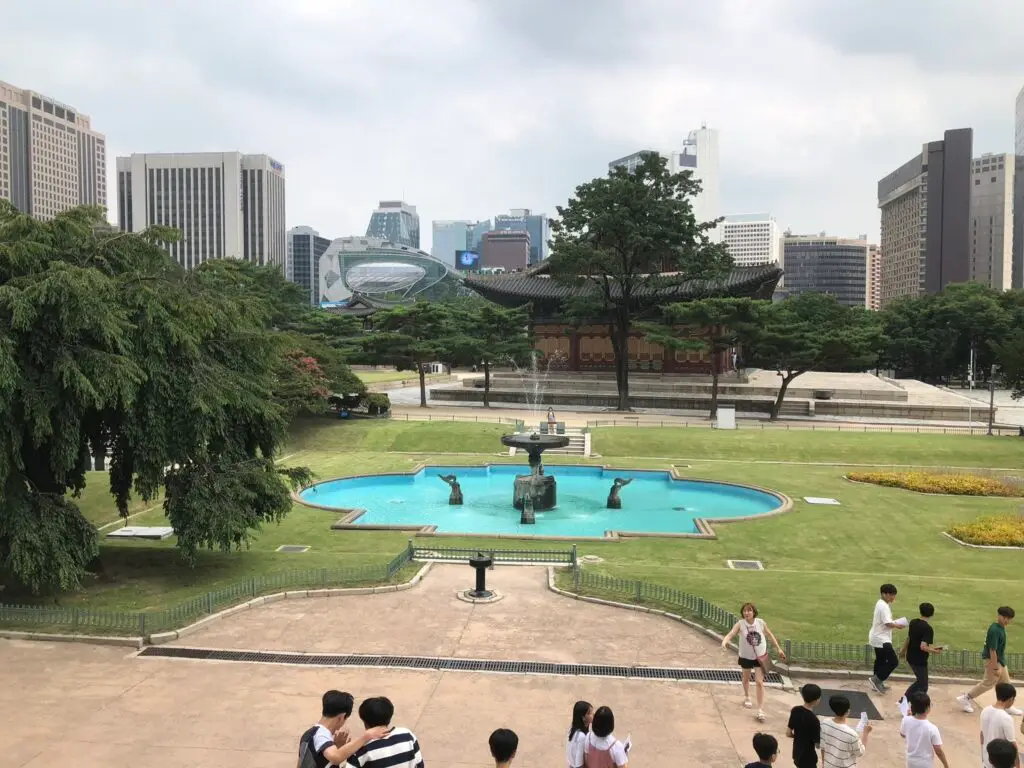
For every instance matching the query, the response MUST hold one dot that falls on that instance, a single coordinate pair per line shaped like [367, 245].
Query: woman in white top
[576, 747]
[603, 750]
[753, 652]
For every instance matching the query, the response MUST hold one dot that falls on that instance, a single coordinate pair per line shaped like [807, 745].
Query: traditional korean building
[587, 346]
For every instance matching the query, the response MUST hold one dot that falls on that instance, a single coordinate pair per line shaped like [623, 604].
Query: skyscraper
[823, 264]
[698, 154]
[397, 222]
[50, 158]
[925, 208]
[1018, 195]
[302, 267]
[752, 239]
[873, 288]
[225, 204]
[452, 236]
[992, 220]
[536, 225]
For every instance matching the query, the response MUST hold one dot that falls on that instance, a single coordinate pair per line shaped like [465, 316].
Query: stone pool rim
[705, 525]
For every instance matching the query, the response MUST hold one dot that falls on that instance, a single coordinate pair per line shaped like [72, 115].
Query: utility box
[726, 417]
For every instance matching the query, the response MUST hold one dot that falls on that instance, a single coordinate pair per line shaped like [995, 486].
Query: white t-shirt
[322, 738]
[751, 639]
[880, 634]
[603, 743]
[995, 724]
[922, 737]
[575, 749]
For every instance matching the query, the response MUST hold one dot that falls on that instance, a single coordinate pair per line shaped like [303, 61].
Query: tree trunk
[423, 385]
[714, 387]
[777, 406]
[487, 384]
[620, 345]
[99, 459]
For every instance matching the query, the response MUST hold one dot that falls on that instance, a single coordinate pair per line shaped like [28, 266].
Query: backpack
[308, 756]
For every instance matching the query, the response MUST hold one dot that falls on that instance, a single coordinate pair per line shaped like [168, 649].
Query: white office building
[1018, 194]
[992, 179]
[225, 204]
[699, 154]
[752, 239]
[50, 158]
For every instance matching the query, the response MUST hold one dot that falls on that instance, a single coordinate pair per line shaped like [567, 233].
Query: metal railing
[406, 416]
[769, 426]
[798, 652]
[459, 554]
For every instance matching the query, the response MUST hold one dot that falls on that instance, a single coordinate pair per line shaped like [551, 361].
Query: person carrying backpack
[328, 743]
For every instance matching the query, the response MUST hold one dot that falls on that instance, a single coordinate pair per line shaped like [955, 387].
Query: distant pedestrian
[918, 647]
[503, 743]
[766, 747]
[576, 746]
[327, 742]
[841, 745]
[996, 721]
[752, 641]
[551, 416]
[880, 638]
[994, 656]
[1002, 753]
[924, 742]
[399, 749]
[805, 728]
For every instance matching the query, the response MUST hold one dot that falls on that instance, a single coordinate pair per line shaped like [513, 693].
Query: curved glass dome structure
[383, 271]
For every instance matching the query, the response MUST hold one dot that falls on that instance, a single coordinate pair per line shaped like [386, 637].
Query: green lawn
[97, 504]
[750, 443]
[823, 564]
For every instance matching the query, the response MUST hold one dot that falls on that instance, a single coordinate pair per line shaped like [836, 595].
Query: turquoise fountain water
[653, 502]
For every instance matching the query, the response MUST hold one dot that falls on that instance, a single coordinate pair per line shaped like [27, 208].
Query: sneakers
[876, 685]
[761, 716]
[966, 703]
[1014, 711]
[747, 704]
[904, 706]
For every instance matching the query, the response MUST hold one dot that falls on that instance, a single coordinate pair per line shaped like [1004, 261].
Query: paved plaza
[93, 706]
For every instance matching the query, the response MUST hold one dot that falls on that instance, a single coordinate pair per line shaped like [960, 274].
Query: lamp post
[991, 398]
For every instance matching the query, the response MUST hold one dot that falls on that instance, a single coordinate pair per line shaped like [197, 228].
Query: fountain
[455, 497]
[535, 488]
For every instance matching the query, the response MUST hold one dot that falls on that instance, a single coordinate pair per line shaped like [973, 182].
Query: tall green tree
[915, 343]
[490, 335]
[623, 238]
[713, 325]
[412, 337]
[809, 332]
[107, 345]
[1009, 355]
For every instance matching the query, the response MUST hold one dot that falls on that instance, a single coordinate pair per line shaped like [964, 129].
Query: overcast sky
[466, 108]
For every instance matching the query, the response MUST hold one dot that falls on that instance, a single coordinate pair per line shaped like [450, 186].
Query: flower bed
[992, 531]
[925, 482]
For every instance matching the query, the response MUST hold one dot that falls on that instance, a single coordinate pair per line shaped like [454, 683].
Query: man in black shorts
[918, 646]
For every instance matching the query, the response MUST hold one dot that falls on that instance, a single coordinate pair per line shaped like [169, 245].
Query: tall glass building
[832, 265]
[397, 222]
[302, 266]
[522, 220]
[449, 237]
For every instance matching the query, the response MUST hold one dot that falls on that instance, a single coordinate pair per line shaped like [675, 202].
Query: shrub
[994, 530]
[378, 403]
[925, 482]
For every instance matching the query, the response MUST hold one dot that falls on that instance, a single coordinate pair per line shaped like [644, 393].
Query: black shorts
[748, 663]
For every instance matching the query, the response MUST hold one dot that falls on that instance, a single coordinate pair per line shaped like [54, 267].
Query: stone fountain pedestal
[537, 486]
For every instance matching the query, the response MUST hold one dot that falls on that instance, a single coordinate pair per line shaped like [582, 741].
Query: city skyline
[874, 95]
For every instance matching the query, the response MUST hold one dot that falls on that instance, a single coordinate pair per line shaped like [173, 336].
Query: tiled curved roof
[519, 288]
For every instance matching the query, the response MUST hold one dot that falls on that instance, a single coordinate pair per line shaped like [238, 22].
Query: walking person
[994, 656]
[880, 638]
[753, 653]
[922, 737]
[576, 747]
[996, 721]
[327, 742]
[805, 728]
[918, 646]
[841, 745]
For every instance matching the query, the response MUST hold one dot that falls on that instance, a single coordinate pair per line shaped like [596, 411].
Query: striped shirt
[840, 745]
[399, 749]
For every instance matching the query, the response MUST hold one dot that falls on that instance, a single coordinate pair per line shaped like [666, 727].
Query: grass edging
[55, 637]
[953, 538]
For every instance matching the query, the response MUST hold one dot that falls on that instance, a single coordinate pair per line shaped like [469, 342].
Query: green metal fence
[798, 652]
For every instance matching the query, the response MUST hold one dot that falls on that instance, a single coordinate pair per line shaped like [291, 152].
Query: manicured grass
[750, 443]
[97, 504]
[823, 564]
[379, 377]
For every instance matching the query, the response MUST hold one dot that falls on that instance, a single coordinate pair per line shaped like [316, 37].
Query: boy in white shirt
[880, 638]
[841, 745]
[924, 743]
[996, 721]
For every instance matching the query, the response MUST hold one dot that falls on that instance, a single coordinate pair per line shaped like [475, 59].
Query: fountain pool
[654, 502]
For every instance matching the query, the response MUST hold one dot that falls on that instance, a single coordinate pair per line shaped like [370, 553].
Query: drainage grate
[297, 548]
[455, 665]
[745, 565]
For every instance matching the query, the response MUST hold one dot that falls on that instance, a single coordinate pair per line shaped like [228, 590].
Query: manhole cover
[296, 548]
[745, 565]
[592, 559]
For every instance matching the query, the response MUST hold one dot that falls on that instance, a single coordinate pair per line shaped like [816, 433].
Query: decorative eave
[517, 289]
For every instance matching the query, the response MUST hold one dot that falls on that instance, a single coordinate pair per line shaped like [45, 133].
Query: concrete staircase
[579, 443]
